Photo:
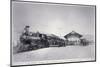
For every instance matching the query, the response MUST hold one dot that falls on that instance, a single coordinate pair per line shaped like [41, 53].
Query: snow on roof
[73, 33]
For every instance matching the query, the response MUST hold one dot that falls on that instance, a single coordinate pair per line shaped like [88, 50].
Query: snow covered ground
[55, 53]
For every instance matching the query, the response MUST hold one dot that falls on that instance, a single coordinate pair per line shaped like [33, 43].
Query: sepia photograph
[49, 33]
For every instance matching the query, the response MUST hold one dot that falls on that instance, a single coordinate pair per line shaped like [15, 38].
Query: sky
[52, 18]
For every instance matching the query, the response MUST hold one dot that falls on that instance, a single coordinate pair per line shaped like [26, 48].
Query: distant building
[73, 38]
